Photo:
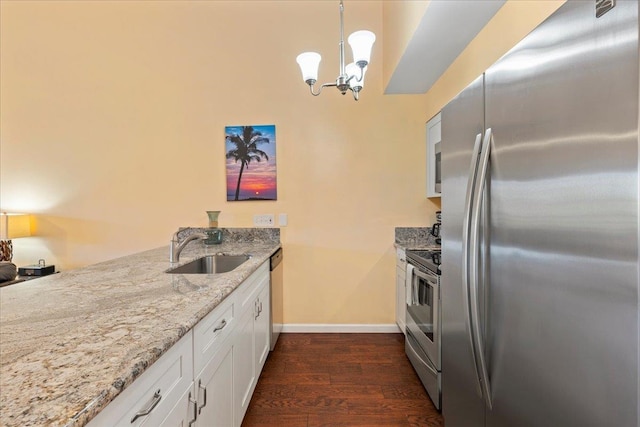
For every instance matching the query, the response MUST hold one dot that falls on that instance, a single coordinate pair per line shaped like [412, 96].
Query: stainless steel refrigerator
[539, 285]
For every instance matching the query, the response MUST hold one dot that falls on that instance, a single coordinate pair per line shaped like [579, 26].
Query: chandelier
[351, 76]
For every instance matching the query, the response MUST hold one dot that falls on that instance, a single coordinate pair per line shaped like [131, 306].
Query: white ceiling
[446, 29]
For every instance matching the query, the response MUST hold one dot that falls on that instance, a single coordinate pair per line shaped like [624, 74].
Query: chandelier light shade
[309, 63]
[351, 76]
[361, 43]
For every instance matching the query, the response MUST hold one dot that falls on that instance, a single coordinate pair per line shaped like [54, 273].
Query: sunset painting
[251, 162]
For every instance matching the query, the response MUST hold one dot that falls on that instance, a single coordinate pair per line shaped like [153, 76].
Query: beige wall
[112, 120]
[112, 132]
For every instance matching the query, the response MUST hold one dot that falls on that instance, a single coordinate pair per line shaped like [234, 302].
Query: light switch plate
[282, 219]
[263, 220]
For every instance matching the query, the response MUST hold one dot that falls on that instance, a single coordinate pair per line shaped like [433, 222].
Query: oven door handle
[466, 226]
[431, 278]
[474, 257]
[433, 282]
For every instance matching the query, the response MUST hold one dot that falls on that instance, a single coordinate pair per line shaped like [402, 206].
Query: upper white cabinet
[434, 173]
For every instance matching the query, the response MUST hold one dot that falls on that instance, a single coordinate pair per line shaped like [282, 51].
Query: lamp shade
[13, 226]
[353, 70]
[361, 43]
[309, 63]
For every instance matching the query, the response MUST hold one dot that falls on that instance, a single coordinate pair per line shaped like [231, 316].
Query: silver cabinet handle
[153, 402]
[255, 310]
[474, 246]
[221, 326]
[205, 396]
[258, 308]
[466, 225]
[195, 410]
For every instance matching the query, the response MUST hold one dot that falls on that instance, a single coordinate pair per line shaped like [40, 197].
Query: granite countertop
[415, 238]
[71, 342]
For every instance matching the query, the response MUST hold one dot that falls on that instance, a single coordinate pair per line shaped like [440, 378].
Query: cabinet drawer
[250, 288]
[157, 390]
[211, 331]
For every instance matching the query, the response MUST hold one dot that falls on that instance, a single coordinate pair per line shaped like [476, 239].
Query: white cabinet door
[262, 328]
[214, 389]
[244, 367]
[183, 413]
[401, 292]
[252, 339]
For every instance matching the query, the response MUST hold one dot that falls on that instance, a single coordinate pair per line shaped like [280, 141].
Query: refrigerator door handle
[474, 246]
[473, 172]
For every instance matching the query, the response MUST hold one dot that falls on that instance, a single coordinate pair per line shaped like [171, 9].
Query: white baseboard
[338, 328]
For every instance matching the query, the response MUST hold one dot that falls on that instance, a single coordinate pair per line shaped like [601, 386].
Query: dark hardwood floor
[313, 380]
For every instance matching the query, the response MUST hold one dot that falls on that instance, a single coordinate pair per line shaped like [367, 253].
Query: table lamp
[12, 226]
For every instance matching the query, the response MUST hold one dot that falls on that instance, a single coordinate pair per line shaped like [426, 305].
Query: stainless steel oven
[423, 330]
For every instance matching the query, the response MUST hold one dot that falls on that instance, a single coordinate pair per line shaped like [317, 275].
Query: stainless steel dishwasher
[276, 297]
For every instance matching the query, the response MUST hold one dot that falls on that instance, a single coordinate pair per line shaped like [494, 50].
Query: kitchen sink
[211, 264]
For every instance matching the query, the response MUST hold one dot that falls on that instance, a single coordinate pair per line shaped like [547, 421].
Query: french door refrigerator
[539, 285]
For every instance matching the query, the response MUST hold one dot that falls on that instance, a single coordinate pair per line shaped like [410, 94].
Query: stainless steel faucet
[175, 247]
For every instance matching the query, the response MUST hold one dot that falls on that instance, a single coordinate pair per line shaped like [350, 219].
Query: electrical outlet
[263, 220]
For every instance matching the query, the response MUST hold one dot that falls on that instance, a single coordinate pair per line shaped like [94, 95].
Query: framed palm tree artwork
[251, 162]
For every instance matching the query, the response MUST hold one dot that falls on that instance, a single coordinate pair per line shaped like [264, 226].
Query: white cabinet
[213, 364]
[208, 377]
[401, 290]
[214, 387]
[184, 413]
[159, 394]
[211, 331]
[262, 330]
[252, 339]
[244, 370]
[434, 136]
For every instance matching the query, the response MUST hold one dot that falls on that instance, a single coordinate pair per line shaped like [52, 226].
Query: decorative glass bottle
[214, 234]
